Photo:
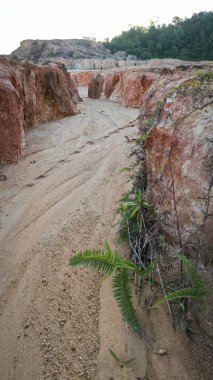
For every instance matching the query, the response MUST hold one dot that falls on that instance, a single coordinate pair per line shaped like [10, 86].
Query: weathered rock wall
[128, 87]
[96, 86]
[176, 114]
[30, 94]
[97, 64]
[82, 78]
[125, 87]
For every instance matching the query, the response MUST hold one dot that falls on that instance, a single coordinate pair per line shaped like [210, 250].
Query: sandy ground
[57, 322]
[58, 200]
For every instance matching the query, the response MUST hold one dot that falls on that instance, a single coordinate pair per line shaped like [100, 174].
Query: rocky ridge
[69, 48]
[77, 54]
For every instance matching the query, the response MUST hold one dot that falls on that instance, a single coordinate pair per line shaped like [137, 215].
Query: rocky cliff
[70, 48]
[78, 54]
[176, 121]
[30, 94]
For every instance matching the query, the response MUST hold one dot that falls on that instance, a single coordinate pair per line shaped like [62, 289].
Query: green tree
[190, 39]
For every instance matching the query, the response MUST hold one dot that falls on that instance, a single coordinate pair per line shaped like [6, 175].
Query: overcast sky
[44, 19]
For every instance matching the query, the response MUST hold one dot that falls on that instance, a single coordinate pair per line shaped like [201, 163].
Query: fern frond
[180, 293]
[123, 295]
[145, 272]
[193, 275]
[197, 290]
[107, 261]
[123, 263]
[108, 249]
[125, 169]
[100, 260]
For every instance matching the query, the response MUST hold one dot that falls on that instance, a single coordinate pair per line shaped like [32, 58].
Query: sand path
[56, 321]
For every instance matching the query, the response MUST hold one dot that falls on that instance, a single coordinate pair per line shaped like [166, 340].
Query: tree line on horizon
[188, 39]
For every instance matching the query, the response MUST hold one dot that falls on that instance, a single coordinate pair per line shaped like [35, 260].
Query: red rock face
[30, 94]
[177, 113]
[96, 86]
[11, 111]
[83, 78]
[72, 88]
[126, 87]
[135, 84]
[111, 81]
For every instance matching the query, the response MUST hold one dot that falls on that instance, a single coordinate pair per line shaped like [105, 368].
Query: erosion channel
[58, 322]
[55, 321]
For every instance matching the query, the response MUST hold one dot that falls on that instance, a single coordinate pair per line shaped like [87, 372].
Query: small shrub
[205, 75]
[131, 208]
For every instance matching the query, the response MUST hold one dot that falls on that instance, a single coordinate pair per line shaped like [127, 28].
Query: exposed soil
[58, 322]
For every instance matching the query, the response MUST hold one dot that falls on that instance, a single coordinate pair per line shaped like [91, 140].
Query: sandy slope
[58, 200]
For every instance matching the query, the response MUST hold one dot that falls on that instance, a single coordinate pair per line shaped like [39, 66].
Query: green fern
[99, 260]
[197, 290]
[123, 295]
[194, 277]
[180, 293]
[108, 262]
[131, 207]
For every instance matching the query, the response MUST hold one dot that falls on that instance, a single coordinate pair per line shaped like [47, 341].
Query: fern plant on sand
[108, 262]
